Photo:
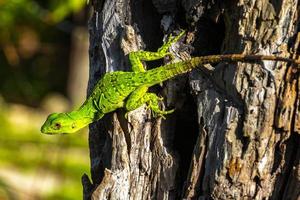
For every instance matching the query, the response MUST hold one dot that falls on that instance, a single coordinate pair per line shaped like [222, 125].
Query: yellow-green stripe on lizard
[129, 89]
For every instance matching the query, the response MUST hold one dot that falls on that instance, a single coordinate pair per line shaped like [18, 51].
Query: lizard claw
[162, 113]
[171, 39]
[176, 38]
[160, 98]
[126, 115]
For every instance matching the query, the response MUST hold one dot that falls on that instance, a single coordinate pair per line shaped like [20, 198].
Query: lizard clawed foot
[156, 112]
[154, 107]
[126, 115]
[172, 39]
[151, 100]
[162, 113]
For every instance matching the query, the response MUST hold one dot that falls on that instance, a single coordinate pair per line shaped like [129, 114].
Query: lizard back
[112, 89]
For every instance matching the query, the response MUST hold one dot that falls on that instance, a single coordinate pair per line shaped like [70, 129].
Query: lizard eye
[73, 125]
[57, 125]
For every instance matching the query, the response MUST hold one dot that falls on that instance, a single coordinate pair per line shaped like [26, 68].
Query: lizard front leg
[140, 96]
[136, 58]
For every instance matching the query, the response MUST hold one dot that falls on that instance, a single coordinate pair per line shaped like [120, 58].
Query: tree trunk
[235, 131]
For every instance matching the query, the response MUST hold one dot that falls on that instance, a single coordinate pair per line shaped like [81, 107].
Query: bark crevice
[234, 137]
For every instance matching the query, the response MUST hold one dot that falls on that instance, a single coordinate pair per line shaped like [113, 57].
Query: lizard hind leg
[136, 57]
[140, 96]
[152, 101]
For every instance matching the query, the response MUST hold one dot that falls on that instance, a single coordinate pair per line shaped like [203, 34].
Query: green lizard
[129, 89]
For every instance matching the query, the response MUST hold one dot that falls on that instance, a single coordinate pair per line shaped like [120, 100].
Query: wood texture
[235, 132]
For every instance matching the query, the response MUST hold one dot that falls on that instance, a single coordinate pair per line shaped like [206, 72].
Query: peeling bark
[235, 132]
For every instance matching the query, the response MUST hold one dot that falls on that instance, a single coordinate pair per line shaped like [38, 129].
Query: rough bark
[235, 132]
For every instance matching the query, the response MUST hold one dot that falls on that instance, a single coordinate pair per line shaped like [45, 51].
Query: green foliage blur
[35, 41]
[36, 166]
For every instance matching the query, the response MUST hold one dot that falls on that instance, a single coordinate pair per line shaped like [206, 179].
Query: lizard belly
[105, 104]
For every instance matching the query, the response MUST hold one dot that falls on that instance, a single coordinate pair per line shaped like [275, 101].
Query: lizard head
[61, 123]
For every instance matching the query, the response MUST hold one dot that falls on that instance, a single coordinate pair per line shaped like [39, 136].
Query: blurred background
[43, 69]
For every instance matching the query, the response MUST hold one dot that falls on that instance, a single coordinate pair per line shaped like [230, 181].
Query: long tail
[165, 72]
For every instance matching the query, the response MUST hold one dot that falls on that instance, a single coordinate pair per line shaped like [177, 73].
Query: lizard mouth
[45, 131]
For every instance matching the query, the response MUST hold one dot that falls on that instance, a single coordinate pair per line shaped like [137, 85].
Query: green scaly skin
[129, 89]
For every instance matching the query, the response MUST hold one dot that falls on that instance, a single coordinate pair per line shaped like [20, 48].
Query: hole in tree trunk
[186, 133]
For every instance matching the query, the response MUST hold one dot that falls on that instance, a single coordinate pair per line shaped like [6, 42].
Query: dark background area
[35, 48]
